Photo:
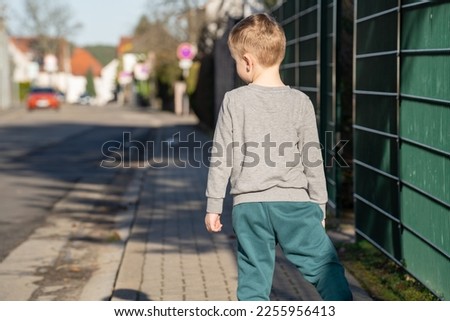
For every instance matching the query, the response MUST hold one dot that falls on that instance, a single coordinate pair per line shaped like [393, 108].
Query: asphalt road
[44, 154]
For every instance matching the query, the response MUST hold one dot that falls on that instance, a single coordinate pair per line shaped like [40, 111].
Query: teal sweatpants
[297, 228]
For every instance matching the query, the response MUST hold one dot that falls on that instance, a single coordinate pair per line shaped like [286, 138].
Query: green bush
[90, 86]
[24, 89]
[192, 78]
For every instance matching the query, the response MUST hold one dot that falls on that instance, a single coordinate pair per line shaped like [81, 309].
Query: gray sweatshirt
[266, 144]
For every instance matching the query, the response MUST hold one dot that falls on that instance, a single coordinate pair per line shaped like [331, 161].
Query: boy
[266, 144]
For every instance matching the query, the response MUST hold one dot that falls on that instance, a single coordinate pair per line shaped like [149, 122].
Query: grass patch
[379, 276]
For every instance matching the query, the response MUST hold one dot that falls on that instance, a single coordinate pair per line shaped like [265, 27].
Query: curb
[101, 284]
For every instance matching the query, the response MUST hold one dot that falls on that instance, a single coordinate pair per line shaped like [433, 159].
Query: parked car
[43, 97]
[84, 99]
[61, 96]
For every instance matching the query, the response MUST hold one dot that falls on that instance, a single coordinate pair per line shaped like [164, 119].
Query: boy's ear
[248, 59]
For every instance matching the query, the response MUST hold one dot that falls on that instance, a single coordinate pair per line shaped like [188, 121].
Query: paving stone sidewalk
[169, 255]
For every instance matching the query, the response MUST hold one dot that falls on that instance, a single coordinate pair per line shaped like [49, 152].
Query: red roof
[125, 45]
[82, 61]
[22, 43]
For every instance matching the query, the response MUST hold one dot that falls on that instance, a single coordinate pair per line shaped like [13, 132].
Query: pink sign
[186, 51]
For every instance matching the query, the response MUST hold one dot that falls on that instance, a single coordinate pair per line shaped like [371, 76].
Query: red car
[43, 97]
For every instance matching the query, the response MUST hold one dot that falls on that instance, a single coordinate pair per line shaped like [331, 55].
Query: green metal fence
[401, 120]
[402, 134]
[310, 65]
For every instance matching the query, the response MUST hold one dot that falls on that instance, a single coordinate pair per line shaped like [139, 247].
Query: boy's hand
[212, 222]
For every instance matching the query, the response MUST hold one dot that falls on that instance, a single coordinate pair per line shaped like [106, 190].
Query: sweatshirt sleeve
[312, 158]
[220, 161]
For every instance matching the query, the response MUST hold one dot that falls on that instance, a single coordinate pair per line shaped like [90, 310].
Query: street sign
[185, 63]
[186, 51]
[141, 71]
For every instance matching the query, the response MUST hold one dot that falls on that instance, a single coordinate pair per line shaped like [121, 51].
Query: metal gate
[402, 134]
[310, 65]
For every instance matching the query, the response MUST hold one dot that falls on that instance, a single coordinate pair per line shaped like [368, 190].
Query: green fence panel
[310, 65]
[425, 149]
[375, 125]
[376, 152]
[426, 76]
[401, 134]
[366, 8]
[380, 230]
[426, 170]
[426, 217]
[378, 113]
[329, 105]
[376, 190]
[426, 123]
[429, 266]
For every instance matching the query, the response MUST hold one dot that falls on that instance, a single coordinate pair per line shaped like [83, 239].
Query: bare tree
[153, 36]
[3, 9]
[183, 17]
[48, 21]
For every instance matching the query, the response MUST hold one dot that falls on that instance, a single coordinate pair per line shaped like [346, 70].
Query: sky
[103, 21]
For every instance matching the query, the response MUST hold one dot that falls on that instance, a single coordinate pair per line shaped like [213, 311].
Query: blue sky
[104, 21]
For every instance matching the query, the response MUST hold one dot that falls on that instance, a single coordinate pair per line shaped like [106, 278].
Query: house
[25, 69]
[106, 85]
[125, 46]
[82, 63]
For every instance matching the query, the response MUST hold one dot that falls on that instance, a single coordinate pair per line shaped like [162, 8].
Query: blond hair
[260, 35]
